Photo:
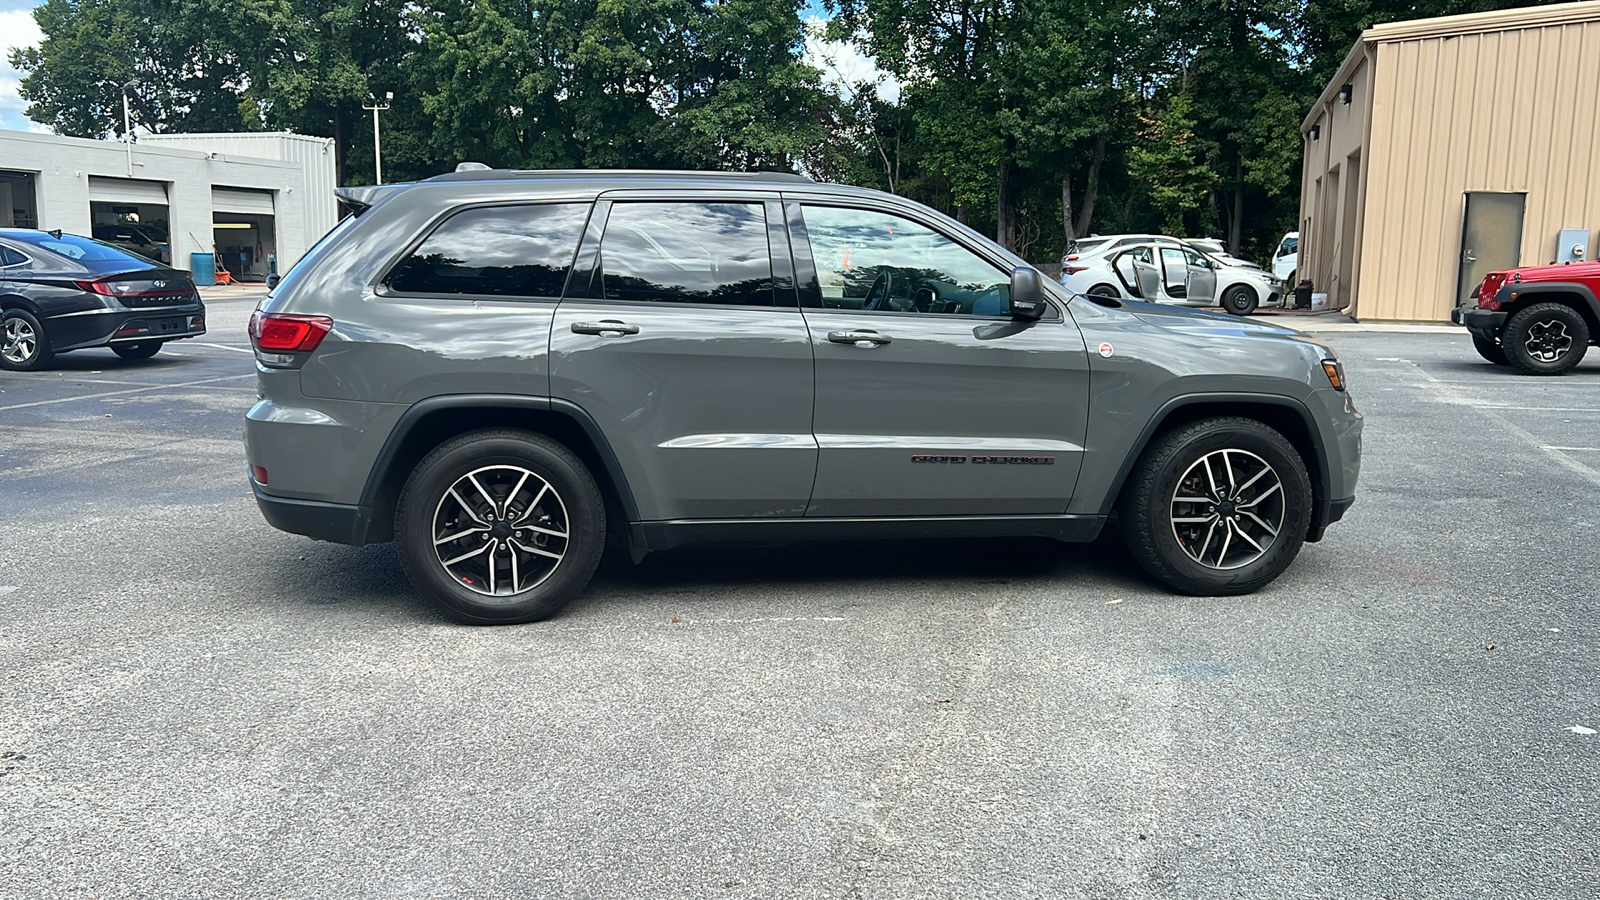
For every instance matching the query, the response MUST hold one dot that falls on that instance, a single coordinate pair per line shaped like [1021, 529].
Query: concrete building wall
[1504, 102]
[314, 154]
[62, 167]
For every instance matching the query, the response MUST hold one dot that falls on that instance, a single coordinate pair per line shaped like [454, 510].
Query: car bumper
[334, 522]
[1485, 323]
[77, 331]
[1325, 513]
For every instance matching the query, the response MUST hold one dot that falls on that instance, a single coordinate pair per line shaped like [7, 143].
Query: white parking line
[153, 387]
[225, 347]
[1438, 386]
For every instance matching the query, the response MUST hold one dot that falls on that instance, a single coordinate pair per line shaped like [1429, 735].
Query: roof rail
[501, 174]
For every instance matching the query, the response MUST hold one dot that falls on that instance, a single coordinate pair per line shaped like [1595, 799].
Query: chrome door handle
[1470, 257]
[863, 339]
[604, 327]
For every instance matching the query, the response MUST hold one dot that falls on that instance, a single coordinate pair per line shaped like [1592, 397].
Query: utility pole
[127, 123]
[377, 145]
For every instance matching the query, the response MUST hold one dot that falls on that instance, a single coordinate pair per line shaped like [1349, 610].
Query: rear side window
[503, 251]
[687, 253]
[10, 257]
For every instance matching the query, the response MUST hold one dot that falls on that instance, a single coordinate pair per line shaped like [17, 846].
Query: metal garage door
[241, 200]
[127, 190]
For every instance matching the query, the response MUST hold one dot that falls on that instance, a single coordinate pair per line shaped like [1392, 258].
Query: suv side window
[503, 251]
[687, 253]
[877, 261]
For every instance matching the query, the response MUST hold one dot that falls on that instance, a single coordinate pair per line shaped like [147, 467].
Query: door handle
[866, 340]
[604, 327]
[1470, 258]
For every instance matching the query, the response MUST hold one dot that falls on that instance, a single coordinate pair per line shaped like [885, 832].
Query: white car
[1286, 261]
[1165, 270]
[1217, 250]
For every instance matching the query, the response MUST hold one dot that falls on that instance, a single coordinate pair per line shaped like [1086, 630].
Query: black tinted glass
[82, 249]
[687, 253]
[10, 257]
[518, 251]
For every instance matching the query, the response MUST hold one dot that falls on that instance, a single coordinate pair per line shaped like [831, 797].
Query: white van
[1287, 259]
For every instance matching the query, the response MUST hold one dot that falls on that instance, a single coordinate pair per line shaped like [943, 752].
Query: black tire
[1240, 300]
[24, 342]
[141, 350]
[567, 503]
[1545, 339]
[1104, 290]
[1490, 349]
[1151, 503]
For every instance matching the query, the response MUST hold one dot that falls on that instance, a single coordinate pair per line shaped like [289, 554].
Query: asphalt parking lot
[195, 705]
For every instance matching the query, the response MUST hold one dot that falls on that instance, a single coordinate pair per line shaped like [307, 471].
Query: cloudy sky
[838, 62]
[17, 29]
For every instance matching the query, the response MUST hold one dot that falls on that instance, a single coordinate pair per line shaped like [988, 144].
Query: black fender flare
[420, 410]
[1525, 289]
[1320, 471]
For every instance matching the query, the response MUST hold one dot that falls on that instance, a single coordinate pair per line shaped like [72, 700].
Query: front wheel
[1545, 339]
[500, 526]
[24, 343]
[1239, 300]
[1490, 349]
[1217, 507]
[141, 350]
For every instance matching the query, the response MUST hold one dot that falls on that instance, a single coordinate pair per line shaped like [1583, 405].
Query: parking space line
[1438, 386]
[153, 387]
[225, 347]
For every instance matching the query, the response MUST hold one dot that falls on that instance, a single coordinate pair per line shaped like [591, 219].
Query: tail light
[285, 341]
[138, 286]
[282, 332]
[1073, 270]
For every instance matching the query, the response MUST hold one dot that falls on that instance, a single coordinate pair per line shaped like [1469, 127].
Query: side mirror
[1027, 294]
[272, 281]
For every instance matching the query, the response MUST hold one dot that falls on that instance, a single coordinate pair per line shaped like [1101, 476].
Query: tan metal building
[1447, 148]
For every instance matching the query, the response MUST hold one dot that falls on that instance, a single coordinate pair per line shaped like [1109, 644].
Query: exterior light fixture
[1345, 93]
[1316, 131]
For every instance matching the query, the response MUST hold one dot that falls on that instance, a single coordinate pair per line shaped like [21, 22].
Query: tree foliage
[1035, 120]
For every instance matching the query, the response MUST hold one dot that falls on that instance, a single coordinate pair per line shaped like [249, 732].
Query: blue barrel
[203, 266]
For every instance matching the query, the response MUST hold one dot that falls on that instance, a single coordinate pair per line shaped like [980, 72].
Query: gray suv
[501, 371]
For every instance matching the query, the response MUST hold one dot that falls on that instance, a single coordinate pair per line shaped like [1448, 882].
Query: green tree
[1172, 161]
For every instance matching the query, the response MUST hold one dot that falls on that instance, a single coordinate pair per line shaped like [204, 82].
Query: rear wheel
[1239, 300]
[141, 350]
[1490, 349]
[500, 526]
[1216, 507]
[1545, 339]
[24, 343]
[1103, 290]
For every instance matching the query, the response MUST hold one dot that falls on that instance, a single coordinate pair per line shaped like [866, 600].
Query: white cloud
[17, 29]
[844, 65]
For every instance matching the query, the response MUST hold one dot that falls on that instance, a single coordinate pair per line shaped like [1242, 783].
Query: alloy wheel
[1228, 509]
[20, 341]
[1548, 340]
[500, 530]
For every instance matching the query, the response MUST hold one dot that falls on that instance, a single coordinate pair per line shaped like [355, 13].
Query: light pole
[377, 146]
[127, 122]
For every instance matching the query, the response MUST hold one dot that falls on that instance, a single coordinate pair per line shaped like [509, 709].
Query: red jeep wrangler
[1539, 319]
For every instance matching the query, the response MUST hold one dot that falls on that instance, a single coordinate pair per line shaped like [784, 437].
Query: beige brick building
[1446, 148]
